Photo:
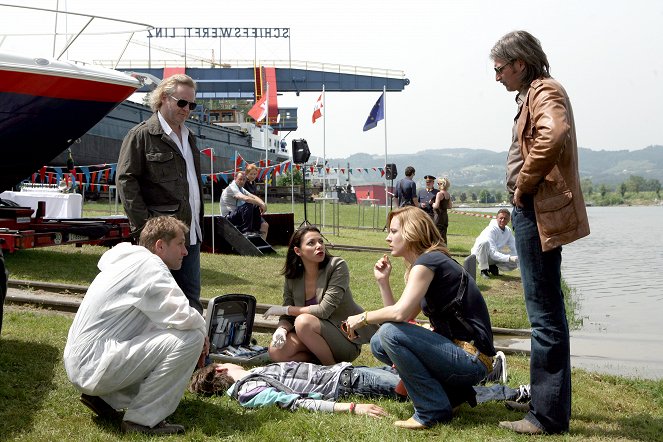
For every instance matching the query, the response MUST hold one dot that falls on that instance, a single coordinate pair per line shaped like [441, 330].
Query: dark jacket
[152, 175]
[547, 137]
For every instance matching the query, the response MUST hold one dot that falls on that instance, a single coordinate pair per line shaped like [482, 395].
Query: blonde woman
[251, 172]
[440, 205]
[438, 367]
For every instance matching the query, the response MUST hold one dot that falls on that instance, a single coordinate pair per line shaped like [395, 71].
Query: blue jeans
[550, 361]
[375, 382]
[496, 392]
[437, 374]
[188, 276]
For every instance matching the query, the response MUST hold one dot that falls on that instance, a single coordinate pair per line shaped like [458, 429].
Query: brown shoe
[517, 406]
[162, 427]
[410, 424]
[522, 426]
[100, 407]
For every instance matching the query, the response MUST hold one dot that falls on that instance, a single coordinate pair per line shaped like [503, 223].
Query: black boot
[494, 270]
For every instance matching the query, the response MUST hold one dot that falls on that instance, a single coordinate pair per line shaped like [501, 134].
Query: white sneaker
[503, 375]
[499, 374]
[523, 394]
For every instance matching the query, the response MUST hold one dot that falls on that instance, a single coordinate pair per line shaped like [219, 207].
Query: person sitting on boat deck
[406, 189]
[295, 385]
[242, 208]
[495, 247]
[316, 300]
[135, 339]
[426, 197]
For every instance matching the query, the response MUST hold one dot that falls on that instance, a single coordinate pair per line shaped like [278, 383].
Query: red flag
[209, 152]
[317, 109]
[259, 110]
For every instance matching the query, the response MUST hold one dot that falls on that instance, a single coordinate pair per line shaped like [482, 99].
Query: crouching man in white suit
[495, 247]
[135, 340]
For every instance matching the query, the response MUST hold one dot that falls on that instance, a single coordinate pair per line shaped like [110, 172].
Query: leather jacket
[547, 138]
[152, 175]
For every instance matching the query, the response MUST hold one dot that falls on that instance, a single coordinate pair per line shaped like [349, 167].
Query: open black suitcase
[229, 326]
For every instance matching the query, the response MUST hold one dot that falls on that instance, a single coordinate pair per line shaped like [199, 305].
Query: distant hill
[486, 168]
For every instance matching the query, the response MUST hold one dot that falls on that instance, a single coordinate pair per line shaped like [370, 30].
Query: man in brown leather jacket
[158, 173]
[549, 211]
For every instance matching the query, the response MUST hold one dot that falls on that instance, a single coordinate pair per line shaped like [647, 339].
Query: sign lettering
[187, 32]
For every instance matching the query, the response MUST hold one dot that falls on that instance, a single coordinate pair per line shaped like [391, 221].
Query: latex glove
[513, 258]
[276, 310]
[278, 338]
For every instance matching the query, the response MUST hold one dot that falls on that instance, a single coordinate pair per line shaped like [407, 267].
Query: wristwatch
[363, 319]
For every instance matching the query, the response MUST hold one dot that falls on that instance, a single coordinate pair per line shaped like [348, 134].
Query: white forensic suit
[494, 246]
[135, 340]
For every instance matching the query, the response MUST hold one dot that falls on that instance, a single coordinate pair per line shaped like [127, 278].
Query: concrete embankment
[67, 299]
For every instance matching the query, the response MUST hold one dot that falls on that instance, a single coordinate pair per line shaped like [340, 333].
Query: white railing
[291, 64]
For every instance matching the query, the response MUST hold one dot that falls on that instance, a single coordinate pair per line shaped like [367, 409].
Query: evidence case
[229, 321]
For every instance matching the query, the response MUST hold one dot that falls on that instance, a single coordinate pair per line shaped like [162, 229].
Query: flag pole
[211, 169]
[324, 157]
[292, 182]
[266, 139]
[386, 159]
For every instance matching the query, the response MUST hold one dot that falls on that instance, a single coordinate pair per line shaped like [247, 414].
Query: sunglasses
[183, 103]
[499, 69]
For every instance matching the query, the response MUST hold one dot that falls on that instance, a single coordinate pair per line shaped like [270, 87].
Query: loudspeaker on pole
[390, 171]
[300, 151]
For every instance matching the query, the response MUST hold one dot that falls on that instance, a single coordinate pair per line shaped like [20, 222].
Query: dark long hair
[207, 382]
[293, 267]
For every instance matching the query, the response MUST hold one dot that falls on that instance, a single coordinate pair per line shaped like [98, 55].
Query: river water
[616, 274]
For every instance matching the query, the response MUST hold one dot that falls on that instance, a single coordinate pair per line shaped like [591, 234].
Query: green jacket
[151, 175]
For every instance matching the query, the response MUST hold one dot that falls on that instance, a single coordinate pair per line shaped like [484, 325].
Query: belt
[345, 382]
[471, 349]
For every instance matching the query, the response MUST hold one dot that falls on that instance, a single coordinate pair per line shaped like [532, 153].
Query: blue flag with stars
[377, 114]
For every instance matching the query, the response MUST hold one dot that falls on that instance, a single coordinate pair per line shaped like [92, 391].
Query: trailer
[20, 231]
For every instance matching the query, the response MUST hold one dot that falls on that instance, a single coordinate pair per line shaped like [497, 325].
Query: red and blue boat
[46, 105]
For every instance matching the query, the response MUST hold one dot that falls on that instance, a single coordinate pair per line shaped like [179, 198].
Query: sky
[607, 54]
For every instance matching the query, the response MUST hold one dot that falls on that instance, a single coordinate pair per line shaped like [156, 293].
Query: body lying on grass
[303, 385]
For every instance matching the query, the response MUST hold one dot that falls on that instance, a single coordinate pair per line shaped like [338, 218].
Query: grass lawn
[37, 403]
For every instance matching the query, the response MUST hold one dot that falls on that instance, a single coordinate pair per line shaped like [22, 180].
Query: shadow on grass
[218, 417]
[26, 375]
[634, 427]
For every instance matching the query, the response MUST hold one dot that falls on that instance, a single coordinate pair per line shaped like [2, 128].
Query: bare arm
[371, 410]
[407, 306]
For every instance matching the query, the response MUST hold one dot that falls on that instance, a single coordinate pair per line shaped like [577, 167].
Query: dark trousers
[246, 218]
[550, 360]
[188, 276]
